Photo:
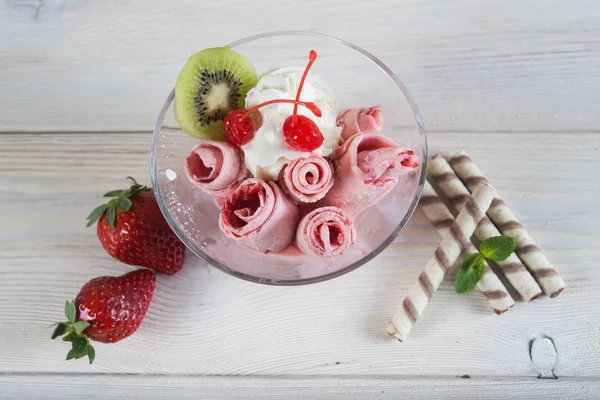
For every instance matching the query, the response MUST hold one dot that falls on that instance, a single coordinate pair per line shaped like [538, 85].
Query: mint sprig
[470, 272]
[497, 248]
[121, 201]
[73, 330]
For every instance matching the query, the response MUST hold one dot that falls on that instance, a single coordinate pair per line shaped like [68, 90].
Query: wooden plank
[218, 387]
[202, 321]
[471, 66]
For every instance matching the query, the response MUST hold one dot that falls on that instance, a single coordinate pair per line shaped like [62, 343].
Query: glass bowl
[358, 79]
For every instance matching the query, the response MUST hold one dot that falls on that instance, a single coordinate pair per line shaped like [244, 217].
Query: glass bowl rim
[342, 271]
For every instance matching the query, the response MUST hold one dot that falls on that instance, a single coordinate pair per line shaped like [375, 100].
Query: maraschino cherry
[299, 131]
[239, 127]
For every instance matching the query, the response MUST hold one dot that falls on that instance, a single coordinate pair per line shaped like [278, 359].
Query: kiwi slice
[211, 83]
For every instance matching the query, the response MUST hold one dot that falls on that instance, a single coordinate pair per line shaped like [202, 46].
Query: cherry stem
[312, 56]
[308, 104]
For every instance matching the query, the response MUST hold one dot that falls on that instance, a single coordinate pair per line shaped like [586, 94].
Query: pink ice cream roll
[360, 120]
[306, 179]
[259, 215]
[216, 167]
[325, 232]
[367, 167]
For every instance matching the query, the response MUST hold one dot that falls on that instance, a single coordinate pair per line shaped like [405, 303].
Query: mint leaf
[469, 273]
[80, 326]
[60, 330]
[497, 248]
[91, 353]
[70, 310]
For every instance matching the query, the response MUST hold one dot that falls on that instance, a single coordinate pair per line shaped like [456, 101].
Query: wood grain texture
[471, 66]
[264, 388]
[203, 321]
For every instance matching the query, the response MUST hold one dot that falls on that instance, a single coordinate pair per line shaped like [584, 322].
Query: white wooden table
[515, 83]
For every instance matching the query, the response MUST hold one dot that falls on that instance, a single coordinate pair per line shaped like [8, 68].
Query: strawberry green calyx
[121, 201]
[73, 330]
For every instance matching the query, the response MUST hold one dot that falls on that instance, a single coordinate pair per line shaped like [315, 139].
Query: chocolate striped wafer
[446, 254]
[490, 286]
[545, 274]
[516, 273]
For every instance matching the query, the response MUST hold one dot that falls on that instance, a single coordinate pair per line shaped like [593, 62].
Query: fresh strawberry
[135, 232]
[107, 309]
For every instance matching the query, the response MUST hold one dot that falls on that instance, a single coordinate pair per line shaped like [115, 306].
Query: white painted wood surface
[300, 388]
[203, 322]
[514, 83]
[471, 65]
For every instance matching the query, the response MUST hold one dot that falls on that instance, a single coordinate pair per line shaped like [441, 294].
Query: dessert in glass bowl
[279, 183]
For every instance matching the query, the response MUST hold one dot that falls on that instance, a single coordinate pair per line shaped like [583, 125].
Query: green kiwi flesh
[211, 83]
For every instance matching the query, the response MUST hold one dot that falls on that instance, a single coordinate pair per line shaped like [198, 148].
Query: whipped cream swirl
[267, 153]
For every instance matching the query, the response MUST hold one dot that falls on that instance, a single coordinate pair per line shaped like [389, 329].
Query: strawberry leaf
[111, 215]
[124, 204]
[80, 346]
[135, 187]
[70, 311]
[91, 353]
[70, 337]
[74, 333]
[115, 193]
[96, 214]
[71, 355]
[121, 200]
[61, 329]
[80, 326]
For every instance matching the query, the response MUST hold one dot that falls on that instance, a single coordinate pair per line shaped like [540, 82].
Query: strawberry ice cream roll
[216, 167]
[325, 232]
[307, 180]
[360, 120]
[259, 215]
[367, 167]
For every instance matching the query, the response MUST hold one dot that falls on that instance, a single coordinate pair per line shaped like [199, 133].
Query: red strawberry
[107, 309]
[135, 232]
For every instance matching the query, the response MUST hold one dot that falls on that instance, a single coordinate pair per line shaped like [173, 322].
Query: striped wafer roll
[516, 273]
[446, 254]
[548, 278]
[490, 286]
